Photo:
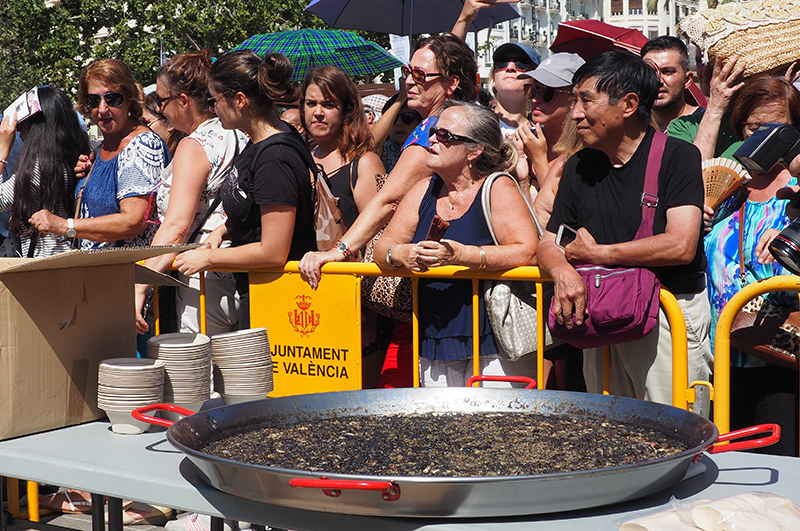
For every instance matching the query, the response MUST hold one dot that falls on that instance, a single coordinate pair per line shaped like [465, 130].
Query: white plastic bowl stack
[124, 384]
[187, 362]
[242, 365]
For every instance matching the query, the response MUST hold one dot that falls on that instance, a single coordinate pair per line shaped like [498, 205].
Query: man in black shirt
[600, 196]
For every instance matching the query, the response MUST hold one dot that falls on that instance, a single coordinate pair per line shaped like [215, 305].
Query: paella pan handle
[486, 378]
[773, 429]
[390, 491]
[139, 414]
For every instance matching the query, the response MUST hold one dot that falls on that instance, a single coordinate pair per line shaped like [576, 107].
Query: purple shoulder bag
[622, 302]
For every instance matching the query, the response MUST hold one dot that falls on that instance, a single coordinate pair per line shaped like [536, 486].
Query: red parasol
[589, 38]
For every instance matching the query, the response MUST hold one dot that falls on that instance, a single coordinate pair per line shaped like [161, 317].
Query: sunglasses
[409, 118]
[542, 93]
[522, 66]
[419, 75]
[161, 101]
[112, 99]
[443, 136]
[211, 100]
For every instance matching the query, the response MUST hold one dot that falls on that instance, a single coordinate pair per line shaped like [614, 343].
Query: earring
[129, 112]
[470, 165]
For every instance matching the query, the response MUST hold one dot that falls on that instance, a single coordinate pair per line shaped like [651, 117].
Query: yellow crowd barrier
[264, 297]
[722, 341]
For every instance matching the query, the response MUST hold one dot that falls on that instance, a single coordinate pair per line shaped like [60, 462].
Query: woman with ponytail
[332, 113]
[466, 146]
[269, 191]
[44, 178]
[188, 201]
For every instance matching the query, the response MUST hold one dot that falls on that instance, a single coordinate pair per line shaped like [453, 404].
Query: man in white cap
[550, 95]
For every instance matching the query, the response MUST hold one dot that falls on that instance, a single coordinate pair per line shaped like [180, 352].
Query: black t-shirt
[607, 200]
[281, 177]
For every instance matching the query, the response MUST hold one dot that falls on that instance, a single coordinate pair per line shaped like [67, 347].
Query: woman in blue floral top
[758, 389]
[113, 198]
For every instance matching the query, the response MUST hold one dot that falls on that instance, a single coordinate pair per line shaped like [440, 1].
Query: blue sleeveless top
[445, 307]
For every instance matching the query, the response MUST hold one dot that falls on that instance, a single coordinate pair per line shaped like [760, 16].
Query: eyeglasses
[419, 75]
[148, 121]
[409, 118]
[522, 66]
[443, 136]
[211, 100]
[750, 127]
[542, 93]
[112, 99]
[161, 101]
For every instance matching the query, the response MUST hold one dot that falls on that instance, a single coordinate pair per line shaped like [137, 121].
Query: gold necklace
[454, 201]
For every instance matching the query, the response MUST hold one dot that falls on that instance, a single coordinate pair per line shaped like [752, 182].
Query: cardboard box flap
[79, 258]
[145, 275]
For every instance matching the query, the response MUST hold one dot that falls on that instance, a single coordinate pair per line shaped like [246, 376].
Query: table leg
[114, 514]
[98, 520]
[216, 524]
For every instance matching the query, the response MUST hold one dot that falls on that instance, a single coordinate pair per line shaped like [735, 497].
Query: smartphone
[565, 236]
[533, 129]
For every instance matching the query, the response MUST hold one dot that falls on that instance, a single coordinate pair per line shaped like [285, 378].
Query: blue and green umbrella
[309, 48]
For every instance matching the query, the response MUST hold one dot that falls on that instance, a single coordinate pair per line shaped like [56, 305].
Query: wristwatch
[343, 248]
[71, 232]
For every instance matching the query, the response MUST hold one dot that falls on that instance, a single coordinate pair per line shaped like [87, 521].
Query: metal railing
[682, 394]
[722, 341]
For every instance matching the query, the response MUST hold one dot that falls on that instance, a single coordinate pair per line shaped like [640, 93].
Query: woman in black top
[332, 113]
[269, 190]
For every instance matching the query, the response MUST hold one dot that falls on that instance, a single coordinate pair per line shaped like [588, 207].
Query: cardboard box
[61, 316]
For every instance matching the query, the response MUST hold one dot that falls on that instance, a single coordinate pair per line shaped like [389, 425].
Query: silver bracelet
[389, 257]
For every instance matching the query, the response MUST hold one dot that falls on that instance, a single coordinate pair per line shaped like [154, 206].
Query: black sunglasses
[522, 66]
[409, 118]
[112, 99]
[443, 136]
[542, 93]
[161, 101]
[419, 75]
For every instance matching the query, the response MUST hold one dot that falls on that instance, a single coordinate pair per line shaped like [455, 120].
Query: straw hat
[764, 34]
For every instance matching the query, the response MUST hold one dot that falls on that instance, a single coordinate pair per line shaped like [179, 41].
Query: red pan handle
[520, 379]
[773, 429]
[139, 414]
[390, 491]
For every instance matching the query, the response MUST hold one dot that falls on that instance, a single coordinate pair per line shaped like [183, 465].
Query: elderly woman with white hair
[466, 147]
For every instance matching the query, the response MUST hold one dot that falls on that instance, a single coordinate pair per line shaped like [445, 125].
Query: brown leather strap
[742, 273]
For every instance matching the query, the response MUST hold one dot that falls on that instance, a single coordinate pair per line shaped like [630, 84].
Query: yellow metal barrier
[722, 341]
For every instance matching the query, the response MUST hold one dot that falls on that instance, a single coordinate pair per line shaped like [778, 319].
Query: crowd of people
[223, 153]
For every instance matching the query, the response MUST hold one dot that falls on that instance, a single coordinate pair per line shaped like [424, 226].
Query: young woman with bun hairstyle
[187, 197]
[333, 114]
[45, 179]
[269, 191]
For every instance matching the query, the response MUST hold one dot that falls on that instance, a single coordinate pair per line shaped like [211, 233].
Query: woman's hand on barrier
[569, 298]
[312, 262]
[429, 254]
[762, 247]
[84, 165]
[48, 223]
[194, 261]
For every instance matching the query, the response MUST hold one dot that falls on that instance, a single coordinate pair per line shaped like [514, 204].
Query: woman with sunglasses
[467, 145]
[391, 131]
[333, 115]
[269, 192]
[188, 197]
[45, 179]
[113, 198]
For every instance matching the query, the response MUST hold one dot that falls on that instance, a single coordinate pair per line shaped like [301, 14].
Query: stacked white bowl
[187, 363]
[242, 365]
[124, 384]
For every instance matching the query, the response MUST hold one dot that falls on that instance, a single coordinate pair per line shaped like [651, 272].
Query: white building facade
[538, 24]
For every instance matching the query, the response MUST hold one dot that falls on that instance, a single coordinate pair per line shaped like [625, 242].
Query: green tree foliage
[41, 45]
